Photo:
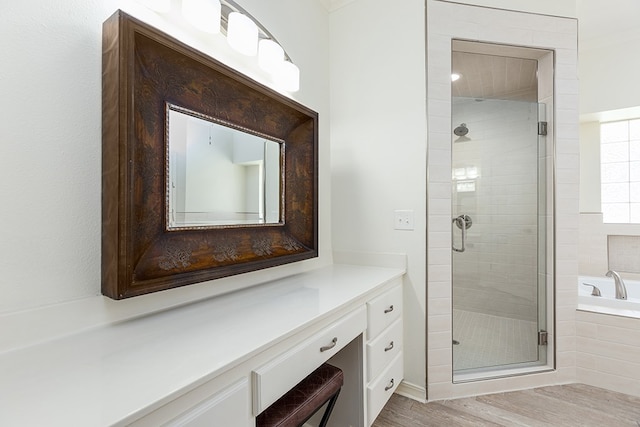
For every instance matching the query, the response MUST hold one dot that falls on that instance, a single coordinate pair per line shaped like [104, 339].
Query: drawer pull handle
[389, 347]
[334, 341]
[390, 386]
[389, 310]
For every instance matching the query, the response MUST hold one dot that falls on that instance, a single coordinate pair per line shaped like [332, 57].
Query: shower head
[461, 130]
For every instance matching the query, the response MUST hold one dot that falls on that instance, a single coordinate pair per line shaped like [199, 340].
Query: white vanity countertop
[111, 375]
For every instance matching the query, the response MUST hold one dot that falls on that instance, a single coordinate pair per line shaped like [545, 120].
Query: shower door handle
[463, 222]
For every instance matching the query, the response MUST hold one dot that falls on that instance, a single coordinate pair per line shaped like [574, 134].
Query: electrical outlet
[403, 220]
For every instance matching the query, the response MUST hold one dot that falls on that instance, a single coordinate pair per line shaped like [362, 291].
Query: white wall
[608, 71]
[608, 75]
[547, 7]
[566, 8]
[378, 146]
[590, 167]
[609, 38]
[214, 183]
[607, 350]
[50, 158]
[378, 126]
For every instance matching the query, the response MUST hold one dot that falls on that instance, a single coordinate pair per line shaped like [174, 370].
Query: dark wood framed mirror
[147, 74]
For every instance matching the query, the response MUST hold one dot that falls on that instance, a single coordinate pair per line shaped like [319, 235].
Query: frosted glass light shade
[242, 34]
[203, 14]
[270, 55]
[161, 6]
[288, 77]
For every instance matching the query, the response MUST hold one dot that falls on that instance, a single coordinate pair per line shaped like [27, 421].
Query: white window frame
[620, 171]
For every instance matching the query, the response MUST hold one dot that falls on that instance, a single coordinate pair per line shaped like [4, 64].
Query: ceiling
[490, 76]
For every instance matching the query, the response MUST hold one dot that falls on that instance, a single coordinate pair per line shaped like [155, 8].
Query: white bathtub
[607, 303]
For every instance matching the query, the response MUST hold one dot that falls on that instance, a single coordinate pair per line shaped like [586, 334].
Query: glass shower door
[499, 234]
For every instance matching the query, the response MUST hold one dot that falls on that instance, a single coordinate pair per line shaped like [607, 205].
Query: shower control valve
[466, 219]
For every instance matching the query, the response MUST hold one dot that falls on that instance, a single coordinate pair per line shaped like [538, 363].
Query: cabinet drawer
[380, 390]
[383, 349]
[383, 310]
[278, 376]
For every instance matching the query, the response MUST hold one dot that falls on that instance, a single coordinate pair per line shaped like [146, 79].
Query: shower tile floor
[487, 340]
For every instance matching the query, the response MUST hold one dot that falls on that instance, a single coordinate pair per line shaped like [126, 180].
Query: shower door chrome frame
[546, 359]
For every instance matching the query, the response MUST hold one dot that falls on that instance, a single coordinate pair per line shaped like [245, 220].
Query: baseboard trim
[412, 391]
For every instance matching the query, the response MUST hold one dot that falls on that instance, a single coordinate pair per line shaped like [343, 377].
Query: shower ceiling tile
[496, 77]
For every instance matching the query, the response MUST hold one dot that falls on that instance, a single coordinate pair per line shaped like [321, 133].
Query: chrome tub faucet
[621, 290]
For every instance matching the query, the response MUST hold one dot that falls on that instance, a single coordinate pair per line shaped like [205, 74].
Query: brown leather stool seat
[302, 401]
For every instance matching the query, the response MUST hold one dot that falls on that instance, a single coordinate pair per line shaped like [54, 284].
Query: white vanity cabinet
[385, 367]
[218, 362]
[227, 408]
[279, 375]
[211, 405]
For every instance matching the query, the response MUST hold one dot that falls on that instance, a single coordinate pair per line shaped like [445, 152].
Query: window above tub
[620, 171]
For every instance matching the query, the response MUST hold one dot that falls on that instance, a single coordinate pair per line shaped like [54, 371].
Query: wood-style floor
[566, 405]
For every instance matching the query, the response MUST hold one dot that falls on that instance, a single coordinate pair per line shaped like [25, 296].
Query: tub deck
[607, 303]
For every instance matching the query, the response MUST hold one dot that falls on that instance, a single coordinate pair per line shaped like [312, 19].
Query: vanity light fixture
[288, 76]
[203, 14]
[455, 77]
[270, 55]
[271, 59]
[242, 34]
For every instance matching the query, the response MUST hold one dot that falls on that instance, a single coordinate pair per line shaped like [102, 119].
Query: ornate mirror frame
[144, 70]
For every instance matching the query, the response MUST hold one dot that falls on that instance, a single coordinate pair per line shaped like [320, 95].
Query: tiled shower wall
[624, 253]
[596, 254]
[497, 273]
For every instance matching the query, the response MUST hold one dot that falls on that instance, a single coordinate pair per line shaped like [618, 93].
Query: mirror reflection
[218, 175]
